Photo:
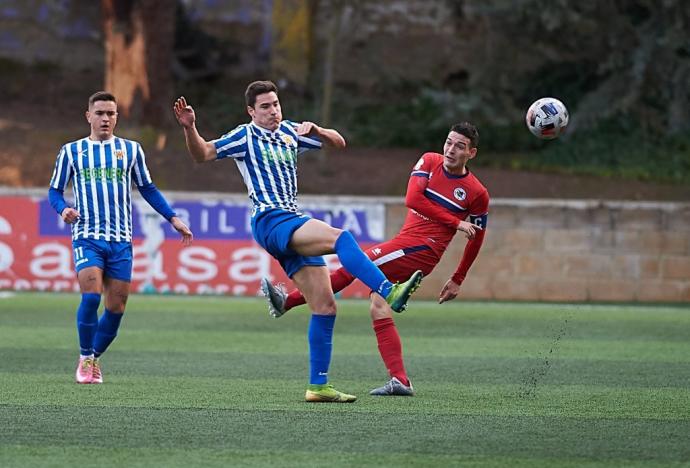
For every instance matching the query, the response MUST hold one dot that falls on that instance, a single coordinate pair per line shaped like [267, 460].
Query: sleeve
[478, 215]
[141, 172]
[62, 172]
[304, 142]
[154, 198]
[233, 144]
[479, 212]
[416, 200]
[58, 182]
[57, 200]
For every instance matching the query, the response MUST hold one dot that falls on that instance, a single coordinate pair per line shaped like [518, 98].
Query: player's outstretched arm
[199, 149]
[329, 136]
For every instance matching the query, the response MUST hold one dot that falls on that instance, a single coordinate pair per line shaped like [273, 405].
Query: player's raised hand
[69, 215]
[449, 292]
[470, 230]
[184, 231]
[306, 128]
[184, 112]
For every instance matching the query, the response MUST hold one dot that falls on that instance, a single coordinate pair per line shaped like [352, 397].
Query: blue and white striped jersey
[101, 173]
[267, 161]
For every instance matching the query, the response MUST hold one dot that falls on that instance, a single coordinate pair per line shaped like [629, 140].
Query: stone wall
[577, 250]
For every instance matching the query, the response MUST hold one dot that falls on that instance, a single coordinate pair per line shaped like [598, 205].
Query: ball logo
[460, 193]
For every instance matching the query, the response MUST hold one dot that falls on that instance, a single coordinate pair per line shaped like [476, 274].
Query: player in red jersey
[441, 195]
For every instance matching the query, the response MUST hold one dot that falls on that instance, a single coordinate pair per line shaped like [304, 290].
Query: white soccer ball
[547, 118]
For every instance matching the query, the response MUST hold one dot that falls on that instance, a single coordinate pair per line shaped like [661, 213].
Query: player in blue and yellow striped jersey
[101, 168]
[265, 151]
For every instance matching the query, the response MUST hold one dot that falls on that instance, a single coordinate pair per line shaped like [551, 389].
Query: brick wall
[577, 250]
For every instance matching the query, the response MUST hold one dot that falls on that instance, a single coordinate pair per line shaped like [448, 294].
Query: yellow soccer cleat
[327, 394]
[401, 292]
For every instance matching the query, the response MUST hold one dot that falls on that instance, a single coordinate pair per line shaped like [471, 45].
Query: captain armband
[480, 220]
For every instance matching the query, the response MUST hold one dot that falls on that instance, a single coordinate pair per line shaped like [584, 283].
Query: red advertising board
[36, 250]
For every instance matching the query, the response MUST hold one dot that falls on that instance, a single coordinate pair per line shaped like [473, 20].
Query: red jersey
[438, 201]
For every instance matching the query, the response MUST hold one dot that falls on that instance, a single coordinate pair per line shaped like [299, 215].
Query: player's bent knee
[116, 303]
[324, 306]
[379, 308]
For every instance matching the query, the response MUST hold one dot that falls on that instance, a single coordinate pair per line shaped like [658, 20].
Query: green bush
[619, 147]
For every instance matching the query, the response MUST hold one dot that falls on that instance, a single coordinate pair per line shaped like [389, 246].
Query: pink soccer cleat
[85, 370]
[96, 375]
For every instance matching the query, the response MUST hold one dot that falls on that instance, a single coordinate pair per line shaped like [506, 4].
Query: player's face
[266, 112]
[102, 116]
[456, 153]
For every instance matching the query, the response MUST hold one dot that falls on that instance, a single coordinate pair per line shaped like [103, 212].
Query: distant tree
[139, 39]
[611, 58]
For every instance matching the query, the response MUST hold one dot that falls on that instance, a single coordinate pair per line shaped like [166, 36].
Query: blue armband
[154, 198]
[57, 200]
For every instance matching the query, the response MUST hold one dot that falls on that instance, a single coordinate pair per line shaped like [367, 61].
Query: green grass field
[217, 382]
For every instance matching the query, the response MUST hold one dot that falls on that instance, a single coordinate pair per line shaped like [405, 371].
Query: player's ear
[473, 152]
[88, 116]
[250, 111]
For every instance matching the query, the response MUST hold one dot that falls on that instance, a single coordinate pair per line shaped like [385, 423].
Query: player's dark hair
[469, 130]
[258, 87]
[101, 96]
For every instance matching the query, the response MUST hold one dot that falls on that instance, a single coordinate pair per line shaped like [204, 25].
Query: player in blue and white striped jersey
[265, 151]
[101, 168]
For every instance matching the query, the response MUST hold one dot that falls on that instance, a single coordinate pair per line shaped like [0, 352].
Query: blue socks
[107, 331]
[87, 322]
[320, 347]
[360, 266]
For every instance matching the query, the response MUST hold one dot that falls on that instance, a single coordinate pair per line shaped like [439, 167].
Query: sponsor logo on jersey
[287, 155]
[113, 174]
[460, 193]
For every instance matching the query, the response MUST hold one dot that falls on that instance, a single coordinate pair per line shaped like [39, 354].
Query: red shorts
[399, 258]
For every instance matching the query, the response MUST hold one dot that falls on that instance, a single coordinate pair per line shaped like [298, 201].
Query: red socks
[340, 279]
[390, 348]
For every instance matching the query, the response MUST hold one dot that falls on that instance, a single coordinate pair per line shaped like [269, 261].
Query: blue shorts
[114, 258]
[273, 230]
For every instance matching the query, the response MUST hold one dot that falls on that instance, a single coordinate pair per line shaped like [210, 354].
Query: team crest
[288, 140]
[460, 193]
[119, 154]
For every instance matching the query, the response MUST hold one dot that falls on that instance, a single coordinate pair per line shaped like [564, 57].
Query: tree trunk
[291, 43]
[139, 37]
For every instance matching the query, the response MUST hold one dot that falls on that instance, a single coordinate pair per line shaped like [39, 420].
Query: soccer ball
[547, 118]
